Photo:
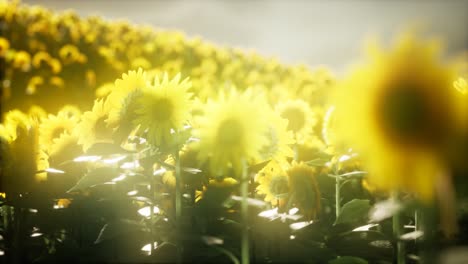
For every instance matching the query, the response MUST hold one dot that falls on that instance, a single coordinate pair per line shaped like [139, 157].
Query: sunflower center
[162, 109]
[295, 117]
[230, 132]
[279, 185]
[57, 132]
[404, 113]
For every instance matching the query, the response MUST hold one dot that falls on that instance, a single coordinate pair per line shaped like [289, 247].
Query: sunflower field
[129, 144]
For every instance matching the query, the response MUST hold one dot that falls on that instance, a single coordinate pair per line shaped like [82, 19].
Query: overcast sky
[296, 31]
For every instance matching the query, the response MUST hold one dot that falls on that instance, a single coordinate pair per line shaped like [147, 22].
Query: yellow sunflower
[399, 111]
[273, 183]
[37, 113]
[53, 127]
[304, 188]
[92, 127]
[64, 148]
[22, 61]
[301, 119]
[104, 90]
[233, 130]
[131, 81]
[70, 111]
[279, 138]
[4, 46]
[17, 122]
[164, 108]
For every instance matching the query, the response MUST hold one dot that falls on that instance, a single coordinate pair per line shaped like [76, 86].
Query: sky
[330, 33]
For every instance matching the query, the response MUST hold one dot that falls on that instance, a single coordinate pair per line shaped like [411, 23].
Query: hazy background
[296, 31]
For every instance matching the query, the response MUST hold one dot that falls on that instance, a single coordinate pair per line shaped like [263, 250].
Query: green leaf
[353, 174]
[348, 260]
[95, 177]
[102, 149]
[120, 227]
[354, 211]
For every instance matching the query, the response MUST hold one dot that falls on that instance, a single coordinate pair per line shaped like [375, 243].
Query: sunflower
[4, 46]
[17, 122]
[22, 61]
[53, 127]
[301, 119]
[64, 148]
[70, 111]
[36, 114]
[273, 183]
[399, 111]
[131, 81]
[233, 130]
[121, 118]
[164, 107]
[279, 138]
[304, 188]
[92, 127]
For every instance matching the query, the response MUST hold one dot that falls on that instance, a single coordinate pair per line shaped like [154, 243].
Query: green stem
[337, 190]
[244, 189]
[178, 203]
[296, 152]
[397, 232]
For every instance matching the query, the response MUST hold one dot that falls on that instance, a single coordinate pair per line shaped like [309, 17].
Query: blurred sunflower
[233, 130]
[71, 54]
[4, 46]
[70, 111]
[163, 107]
[92, 127]
[64, 148]
[119, 97]
[304, 189]
[399, 111]
[300, 117]
[121, 118]
[16, 122]
[273, 183]
[22, 61]
[53, 127]
[279, 138]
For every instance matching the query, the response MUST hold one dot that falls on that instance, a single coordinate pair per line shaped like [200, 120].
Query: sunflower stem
[296, 152]
[337, 191]
[397, 232]
[178, 203]
[244, 189]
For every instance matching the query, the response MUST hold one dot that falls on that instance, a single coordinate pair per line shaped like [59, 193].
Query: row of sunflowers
[122, 143]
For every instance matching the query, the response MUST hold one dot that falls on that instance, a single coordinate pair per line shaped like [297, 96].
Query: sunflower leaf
[348, 260]
[95, 177]
[353, 212]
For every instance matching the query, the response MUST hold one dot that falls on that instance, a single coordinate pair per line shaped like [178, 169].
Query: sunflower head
[53, 127]
[304, 188]
[163, 109]
[232, 131]
[92, 127]
[129, 82]
[273, 183]
[4, 46]
[122, 117]
[279, 138]
[399, 111]
[301, 119]
[22, 61]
